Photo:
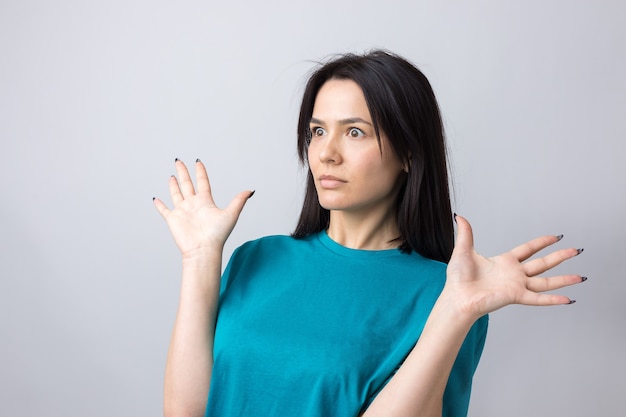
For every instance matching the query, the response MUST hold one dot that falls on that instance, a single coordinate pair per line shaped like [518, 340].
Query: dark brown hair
[402, 104]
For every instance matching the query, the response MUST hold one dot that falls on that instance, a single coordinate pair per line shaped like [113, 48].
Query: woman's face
[351, 171]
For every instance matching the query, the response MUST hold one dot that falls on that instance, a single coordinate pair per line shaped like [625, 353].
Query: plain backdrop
[97, 98]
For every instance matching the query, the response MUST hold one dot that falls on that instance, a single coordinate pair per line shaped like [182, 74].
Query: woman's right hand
[196, 223]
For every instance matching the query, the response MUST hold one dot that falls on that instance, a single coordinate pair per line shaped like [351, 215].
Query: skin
[344, 146]
[361, 203]
[200, 230]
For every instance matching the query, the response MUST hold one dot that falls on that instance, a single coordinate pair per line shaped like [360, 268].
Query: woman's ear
[406, 166]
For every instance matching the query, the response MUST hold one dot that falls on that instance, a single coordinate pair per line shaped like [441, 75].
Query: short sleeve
[457, 394]
[233, 266]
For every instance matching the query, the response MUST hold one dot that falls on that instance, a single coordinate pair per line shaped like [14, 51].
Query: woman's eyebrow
[347, 121]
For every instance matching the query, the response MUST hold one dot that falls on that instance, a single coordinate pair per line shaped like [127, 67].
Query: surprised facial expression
[353, 172]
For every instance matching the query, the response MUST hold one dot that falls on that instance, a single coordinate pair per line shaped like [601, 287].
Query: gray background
[97, 98]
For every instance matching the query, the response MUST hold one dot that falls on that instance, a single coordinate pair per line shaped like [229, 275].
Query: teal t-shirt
[310, 328]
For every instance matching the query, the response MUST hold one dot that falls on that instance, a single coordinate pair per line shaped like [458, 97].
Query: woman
[369, 308]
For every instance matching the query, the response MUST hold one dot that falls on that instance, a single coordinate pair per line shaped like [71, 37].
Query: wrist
[201, 257]
[463, 313]
[201, 269]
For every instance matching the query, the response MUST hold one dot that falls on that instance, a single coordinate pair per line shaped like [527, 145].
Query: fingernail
[571, 302]
[153, 198]
[579, 251]
[252, 193]
[198, 160]
[559, 237]
[583, 279]
[454, 217]
[176, 159]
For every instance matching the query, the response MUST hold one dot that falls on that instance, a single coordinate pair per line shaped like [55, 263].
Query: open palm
[482, 285]
[195, 222]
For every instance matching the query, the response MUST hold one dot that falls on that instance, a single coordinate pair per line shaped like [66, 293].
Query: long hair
[402, 105]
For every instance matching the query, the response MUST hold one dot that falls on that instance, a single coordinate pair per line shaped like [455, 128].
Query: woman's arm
[190, 356]
[200, 230]
[475, 286]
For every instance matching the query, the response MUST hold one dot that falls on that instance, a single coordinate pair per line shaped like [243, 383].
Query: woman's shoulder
[271, 252]
[274, 243]
[415, 259]
[272, 240]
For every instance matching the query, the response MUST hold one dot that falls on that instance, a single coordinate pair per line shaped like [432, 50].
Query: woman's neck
[367, 233]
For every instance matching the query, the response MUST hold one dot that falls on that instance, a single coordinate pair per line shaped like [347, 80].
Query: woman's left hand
[479, 285]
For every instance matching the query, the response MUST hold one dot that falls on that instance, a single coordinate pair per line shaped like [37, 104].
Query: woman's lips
[329, 181]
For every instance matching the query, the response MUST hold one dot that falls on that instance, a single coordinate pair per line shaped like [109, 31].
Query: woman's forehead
[341, 100]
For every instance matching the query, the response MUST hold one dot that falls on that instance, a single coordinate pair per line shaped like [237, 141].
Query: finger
[161, 207]
[540, 284]
[528, 249]
[541, 265]
[202, 180]
[530, 298]
[184, 180]
[464, 236]
[175, 193]
[236, 205]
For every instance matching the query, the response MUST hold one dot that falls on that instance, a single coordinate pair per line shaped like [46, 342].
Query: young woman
[369, 308]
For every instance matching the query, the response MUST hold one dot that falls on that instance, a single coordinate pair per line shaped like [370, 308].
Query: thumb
[236, 205]
[464, 236]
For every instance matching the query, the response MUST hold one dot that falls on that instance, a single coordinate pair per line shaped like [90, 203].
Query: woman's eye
[318, 131]
[355, 133]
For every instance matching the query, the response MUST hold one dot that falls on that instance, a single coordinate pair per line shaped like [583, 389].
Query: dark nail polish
[252, 193]
[153, 198]
[454, 217]
[559, 237]
[571, 302]
[176, 159]
[197, 159]
[583, 279]
[579, 251]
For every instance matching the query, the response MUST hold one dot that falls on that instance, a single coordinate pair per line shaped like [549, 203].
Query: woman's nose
[330, 149]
